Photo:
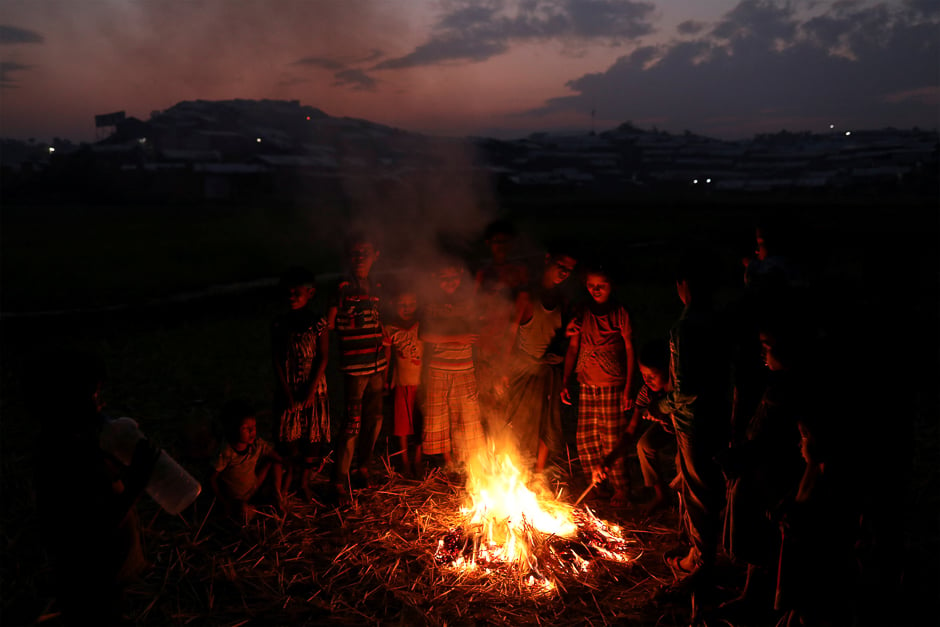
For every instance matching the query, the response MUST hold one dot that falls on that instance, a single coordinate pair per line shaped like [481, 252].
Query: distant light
[708, 180]
[141, 140]
[847, 133]
[832, 126]
[258, 140]
[308, 117]
[694, 181]
[51, 149]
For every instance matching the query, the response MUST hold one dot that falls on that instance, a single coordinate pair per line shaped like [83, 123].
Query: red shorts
[407, 414]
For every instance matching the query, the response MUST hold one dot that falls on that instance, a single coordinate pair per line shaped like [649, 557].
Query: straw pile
[371, 563]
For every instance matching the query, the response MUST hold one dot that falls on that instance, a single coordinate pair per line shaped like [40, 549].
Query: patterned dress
[294, 338]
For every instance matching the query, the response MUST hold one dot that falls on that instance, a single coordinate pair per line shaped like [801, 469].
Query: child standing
[601, 353]
[300, 347]
[497, 285]
[452, 418]
[700, 404]
[244, 461]
[533, 379]
[407, 352]
[354, 313]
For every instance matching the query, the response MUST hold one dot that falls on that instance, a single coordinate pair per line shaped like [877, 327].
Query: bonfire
[512, 528]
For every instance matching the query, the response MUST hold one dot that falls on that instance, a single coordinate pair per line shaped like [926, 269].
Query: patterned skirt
[309, 422]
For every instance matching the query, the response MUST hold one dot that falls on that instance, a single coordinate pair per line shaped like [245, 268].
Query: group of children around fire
[497, 356]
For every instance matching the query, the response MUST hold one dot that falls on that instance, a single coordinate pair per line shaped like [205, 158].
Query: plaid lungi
[452, 414]
[600, 423]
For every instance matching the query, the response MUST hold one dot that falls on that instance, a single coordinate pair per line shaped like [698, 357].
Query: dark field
[873, 261]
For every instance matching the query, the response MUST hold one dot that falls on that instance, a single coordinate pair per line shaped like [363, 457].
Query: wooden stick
[585, 493]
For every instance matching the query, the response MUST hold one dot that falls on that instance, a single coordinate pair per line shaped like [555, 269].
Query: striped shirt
[449, 319]
[359, 329]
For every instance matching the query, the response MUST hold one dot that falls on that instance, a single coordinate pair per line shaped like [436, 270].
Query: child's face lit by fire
[559, 269]
[299, 295]
[654, 378]
[598, 286]
[248, 432]
[406, 306]
[449, 279]
[360, 258]
[769, 353]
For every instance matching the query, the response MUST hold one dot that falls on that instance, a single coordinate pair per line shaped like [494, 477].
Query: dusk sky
[724, 68]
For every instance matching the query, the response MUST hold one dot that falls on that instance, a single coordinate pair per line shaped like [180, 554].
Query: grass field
[172, 365]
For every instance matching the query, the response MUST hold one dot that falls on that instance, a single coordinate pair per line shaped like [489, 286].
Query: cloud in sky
[7, 68]
[12, 35]
[691, 27]
[15, 35]
[343, 73]
[764, 63]
[475, 31]
[724, 67]
[357, 79]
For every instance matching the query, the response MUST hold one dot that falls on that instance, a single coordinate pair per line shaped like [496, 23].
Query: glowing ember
[508, 527]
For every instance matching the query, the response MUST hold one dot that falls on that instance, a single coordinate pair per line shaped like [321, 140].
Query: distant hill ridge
[241, 137]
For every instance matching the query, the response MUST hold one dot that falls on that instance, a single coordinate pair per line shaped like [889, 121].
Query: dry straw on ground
[370, 563]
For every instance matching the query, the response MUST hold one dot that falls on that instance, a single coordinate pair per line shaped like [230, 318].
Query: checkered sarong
[452, 414]
[600, 423]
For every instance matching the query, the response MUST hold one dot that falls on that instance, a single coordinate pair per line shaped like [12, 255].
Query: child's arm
[277, 354]
[319, 364]
[634, 424]
[521, 313]
[676, 400]
[571, 359]
[282, 379]
[331, 317]
[626, 331]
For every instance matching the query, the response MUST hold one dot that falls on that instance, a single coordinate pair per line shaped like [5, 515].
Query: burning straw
[381, 561]
[511, 529]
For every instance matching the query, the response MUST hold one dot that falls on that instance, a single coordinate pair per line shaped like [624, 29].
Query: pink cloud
[922, 95]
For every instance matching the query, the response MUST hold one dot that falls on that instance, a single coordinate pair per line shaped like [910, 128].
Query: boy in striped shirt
[354, 315]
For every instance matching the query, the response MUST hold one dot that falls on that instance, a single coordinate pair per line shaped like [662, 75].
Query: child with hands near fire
[658, 435]
[600, 353]
[533, 356]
